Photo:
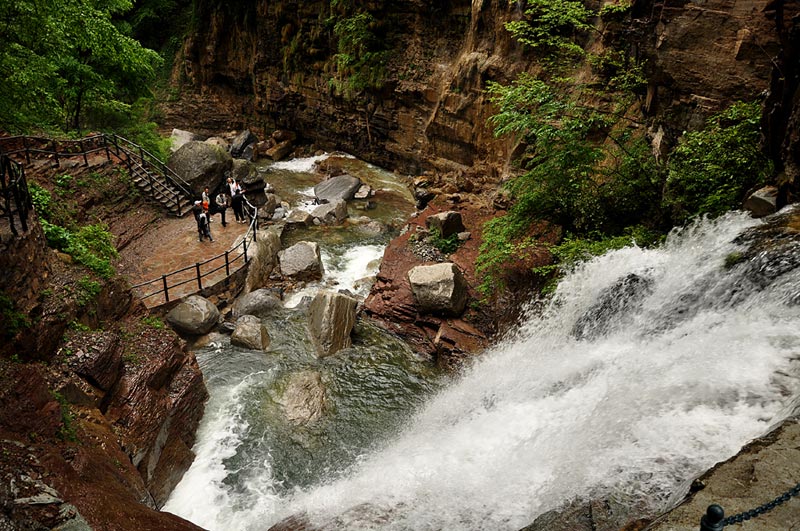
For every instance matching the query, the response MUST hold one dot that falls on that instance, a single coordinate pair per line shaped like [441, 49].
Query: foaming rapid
[647, 367]
[302, 164]
[351, 270]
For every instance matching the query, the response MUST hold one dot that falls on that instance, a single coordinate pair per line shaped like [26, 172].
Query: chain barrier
[715, 519]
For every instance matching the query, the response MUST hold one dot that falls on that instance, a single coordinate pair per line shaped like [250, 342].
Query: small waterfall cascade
[645, 369]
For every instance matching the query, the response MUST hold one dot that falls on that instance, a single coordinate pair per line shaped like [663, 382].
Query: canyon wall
[269, 65]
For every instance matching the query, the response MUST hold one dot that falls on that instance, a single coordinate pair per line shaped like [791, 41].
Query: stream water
[645, 369]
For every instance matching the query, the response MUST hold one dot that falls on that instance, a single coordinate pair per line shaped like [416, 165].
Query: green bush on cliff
[710, 171]
[551, 26]
[91, 245]
[13, 319]
[361, 56]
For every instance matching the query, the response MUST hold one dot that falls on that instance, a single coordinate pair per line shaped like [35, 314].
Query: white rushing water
[634, 401]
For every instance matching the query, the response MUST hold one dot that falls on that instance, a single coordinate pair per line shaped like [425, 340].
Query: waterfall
[645, 369]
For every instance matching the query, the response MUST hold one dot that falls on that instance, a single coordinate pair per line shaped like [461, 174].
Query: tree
[63, 57]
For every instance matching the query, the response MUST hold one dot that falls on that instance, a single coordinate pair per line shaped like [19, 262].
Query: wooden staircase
[153, 178]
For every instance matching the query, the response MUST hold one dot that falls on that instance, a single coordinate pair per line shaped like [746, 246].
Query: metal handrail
[198, 277]
[101, 141]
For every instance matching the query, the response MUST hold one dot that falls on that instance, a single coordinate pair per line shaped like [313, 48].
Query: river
[646, 368]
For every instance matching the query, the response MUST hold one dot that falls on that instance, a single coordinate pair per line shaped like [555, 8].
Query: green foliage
[153, 321]
[711, 170]
[446, 245]
[13, 319]
[573, 250]
[572, 178]
[609, 11]
[41, 199]
[551, 26]
[506, 239]
[91, 245]
[64, 181]
[67, 430]
[62, 58]
[619, 71]
[361, 55]
[88, 290]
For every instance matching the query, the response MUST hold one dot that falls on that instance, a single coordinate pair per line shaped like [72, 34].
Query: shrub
[710, 171]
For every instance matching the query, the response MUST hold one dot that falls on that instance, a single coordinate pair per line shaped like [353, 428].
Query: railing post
[55, 153]
[199, 278]
[27, 152]
[85, 158]
[712, 520]
[116, 144]
[244, 249]
[166, 289]
[105, 145]
[227, 265]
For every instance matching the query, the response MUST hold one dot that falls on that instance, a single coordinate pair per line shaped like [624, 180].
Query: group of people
[204, 208]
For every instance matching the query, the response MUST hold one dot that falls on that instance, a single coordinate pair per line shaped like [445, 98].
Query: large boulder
[264, 261]
[260, 302]
[332, 213]
[195, 316]
[279, 151]
[244, 171]
[438, 288]
[218, 141]
[446, 223]
[298, 217]
[762, 202]
[339, 187]
[303, 398]
[301, 261]
[201, 165]
[179, 137]
[241, 142]
[331, 317]
[250, 333]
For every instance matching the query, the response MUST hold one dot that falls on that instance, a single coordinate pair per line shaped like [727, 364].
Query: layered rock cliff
[98, 405]
[268, 65]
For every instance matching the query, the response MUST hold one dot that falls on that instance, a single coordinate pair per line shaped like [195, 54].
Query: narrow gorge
[629, 390]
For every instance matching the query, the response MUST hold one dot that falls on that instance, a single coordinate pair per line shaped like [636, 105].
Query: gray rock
[244, 171]
[439, 288]
[303, 398]
[365, 191]
[200, 164]
[302, 261]
[280, 150]
[332, 213]
[195, 316]
[447, 223]
[264, 261]
[762, 202]
[266, 210]
[339, 187]
[242, 140]
[71, 519]
[331, 317]
[299, 217]
[250, 333]
[179, 137]
[260, 302]
[218, 141]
